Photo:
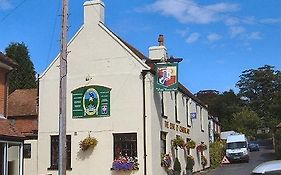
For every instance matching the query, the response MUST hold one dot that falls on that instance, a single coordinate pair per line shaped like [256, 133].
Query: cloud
[5, 4]
[214, 37]
[183, 33]
[271, 21]
[232, 21]
[236, 31]
[254, 36]
[188, 11]
[193, 37]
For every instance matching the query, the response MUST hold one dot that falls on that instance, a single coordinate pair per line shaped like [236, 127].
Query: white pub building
[117, 122]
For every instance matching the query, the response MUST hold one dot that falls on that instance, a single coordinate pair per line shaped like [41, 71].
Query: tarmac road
[257, 157]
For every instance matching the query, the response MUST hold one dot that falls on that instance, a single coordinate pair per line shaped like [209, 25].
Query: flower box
[125, 163]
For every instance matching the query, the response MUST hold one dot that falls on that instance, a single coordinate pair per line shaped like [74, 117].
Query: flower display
[166, 161]
[190, 144]
[88, 142]
[202, 147]
[178, 142]
[125, 163]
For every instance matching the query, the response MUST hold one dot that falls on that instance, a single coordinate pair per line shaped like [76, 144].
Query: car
[268, 168]
[253, 147]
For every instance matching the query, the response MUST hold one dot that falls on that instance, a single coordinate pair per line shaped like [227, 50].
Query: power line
[7, 15]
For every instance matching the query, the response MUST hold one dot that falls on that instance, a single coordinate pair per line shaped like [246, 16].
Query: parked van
[237, 148]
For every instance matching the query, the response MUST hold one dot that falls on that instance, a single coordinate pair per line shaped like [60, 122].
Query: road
[265, 154]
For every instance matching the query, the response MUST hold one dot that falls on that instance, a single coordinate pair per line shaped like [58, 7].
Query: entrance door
[1, 159]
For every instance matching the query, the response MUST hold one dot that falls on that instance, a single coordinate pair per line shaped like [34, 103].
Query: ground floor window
[27, 151]
[163, 142]
[125, 144]
[55, 152]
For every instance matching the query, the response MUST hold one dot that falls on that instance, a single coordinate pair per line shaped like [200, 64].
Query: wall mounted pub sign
[91, 101]
[166, 78]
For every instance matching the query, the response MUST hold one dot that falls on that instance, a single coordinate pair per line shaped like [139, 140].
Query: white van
[237, 148]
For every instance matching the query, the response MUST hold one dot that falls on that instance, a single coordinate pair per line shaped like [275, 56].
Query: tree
[246, 121]
[261, 90]
[23, 76]
[222, 105]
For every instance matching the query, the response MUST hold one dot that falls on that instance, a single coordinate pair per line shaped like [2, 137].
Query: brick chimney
[93, 12]
[158, 52]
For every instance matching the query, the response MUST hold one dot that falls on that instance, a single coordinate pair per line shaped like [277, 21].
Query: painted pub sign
[91, 101]
[166, 78]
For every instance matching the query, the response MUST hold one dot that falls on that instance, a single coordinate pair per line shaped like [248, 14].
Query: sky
[217, 39]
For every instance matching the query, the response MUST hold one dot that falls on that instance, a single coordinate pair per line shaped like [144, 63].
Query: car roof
[268, 166]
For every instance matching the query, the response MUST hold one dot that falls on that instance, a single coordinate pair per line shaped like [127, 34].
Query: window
[125, 144]
[27, 151]
[201, 119]
[163, 142]
[176, 108]
[162, 106]
[55, 152]
[187, 112]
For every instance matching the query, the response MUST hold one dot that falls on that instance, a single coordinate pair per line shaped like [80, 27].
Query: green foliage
[246, 121]
[177, 165]
[189, 163]
[190, 144]
[23, 77]
[178, 142]
[261, 89]
[217, 152]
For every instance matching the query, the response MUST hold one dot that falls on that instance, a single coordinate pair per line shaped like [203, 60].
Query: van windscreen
[236, 145]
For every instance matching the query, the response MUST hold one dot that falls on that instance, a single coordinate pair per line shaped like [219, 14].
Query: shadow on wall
[82, 155]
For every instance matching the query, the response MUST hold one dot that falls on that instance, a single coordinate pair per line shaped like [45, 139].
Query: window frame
[134, 142]
[54, 139]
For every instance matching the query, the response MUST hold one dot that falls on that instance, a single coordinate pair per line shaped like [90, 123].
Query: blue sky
[217, 39]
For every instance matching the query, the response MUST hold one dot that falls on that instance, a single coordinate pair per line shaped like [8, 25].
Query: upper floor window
[27, 151]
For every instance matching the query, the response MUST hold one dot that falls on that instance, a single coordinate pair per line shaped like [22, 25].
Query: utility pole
[62, 91]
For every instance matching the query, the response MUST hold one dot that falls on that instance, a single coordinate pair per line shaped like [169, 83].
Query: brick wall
[3, 94]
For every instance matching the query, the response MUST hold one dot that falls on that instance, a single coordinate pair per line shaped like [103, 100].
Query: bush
[217, 152]
[177, 165]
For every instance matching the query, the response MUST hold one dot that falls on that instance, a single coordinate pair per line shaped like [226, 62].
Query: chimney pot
[161, 40]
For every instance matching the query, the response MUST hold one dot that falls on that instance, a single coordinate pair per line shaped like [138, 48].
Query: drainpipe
[144, 72]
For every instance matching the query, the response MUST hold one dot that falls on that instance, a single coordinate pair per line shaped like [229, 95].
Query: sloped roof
[28, 126]
[6, 60]
[8, 130]
[23, 102]
[181, 87]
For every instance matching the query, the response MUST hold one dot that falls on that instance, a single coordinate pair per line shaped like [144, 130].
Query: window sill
[56, 168]
[177, 121]
[202, 130]
[164, 116]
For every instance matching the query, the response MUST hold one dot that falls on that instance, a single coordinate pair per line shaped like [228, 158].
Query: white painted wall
[30, 165]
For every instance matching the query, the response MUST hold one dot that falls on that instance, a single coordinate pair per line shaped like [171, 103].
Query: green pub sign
[91, 101]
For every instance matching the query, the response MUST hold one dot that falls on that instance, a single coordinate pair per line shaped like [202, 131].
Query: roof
[6, 60]
[28, 126]
[23, 102]
[181, 87]
[7, 130]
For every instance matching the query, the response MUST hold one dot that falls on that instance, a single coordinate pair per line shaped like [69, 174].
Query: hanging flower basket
[202, 147]
[125, 163]
[88, 142]
[166, 161]
[178, 142]
[203, 160]
[190, 144]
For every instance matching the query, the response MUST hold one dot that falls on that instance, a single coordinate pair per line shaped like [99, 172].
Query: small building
[23, 113]
[11, 140]
[214, 128]
[112, 104]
